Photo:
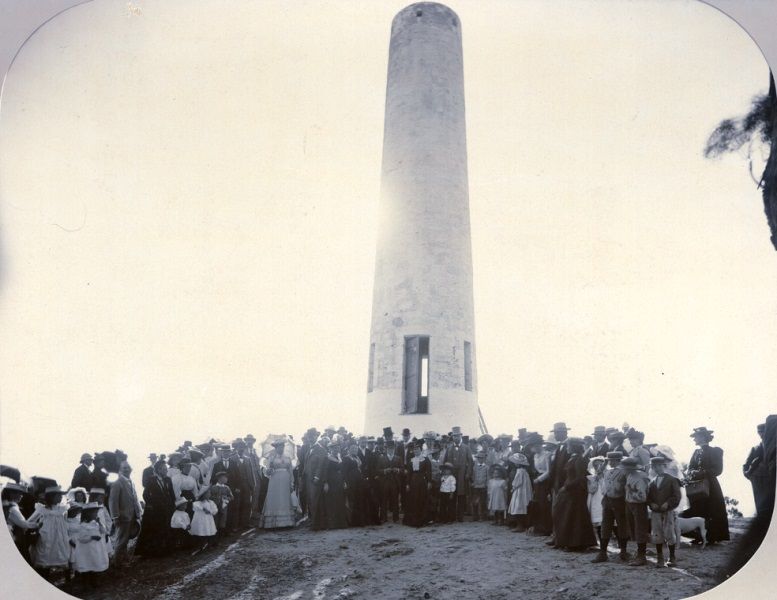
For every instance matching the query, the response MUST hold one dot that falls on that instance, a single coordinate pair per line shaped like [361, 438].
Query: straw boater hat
[630, 463]
[219, 474]
[96, 491]
[53, 489]
[600, 429]
[15, 487]
[658, 460]
[617, 455]
[617, 435]
[560, 426]
[90, 506]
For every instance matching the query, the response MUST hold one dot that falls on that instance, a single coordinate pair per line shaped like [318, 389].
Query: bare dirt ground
[468, 560]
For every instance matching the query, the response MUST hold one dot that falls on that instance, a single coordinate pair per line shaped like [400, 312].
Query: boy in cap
[221, 496]
[614, 508]
[637, 482]
[663, 497]
[479, 486]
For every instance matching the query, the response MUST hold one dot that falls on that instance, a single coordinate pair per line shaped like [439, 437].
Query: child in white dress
[91, 551]
[522, 491]
[497, 494]
[73, 527]
[52, 549]
[103, 516]
[203, 523]
[180, 523]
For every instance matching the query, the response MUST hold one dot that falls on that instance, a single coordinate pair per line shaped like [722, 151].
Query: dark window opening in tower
[468, 366]
[371, 368]
[415, 391]
[419, 13]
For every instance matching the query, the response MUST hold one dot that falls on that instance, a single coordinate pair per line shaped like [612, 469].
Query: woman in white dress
[278, 510]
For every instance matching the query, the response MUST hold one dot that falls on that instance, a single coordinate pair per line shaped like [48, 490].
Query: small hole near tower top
[419, 13]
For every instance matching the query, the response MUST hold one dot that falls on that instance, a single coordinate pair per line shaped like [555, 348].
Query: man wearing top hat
[557, 468]
[315, 470]
[82, 476]
[459, 455]
[599, 447]
[390, 471]
[404, 450]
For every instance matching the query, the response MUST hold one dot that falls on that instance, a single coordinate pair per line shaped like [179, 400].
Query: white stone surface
[423, 269]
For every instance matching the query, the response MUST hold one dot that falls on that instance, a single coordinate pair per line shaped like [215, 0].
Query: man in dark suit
[371, 483]
[148, 473]
[315, 467]
[248, 477]
[459, 455]
[557, 467]
[125, 511]
[82, 476]
[229, 465]
[390, 471]
[599, 447]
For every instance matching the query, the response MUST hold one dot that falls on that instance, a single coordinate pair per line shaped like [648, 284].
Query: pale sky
[188, 201]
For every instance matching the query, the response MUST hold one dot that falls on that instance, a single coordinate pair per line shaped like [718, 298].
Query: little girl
[497, 494]
[180, 523]
[522, 491]
[447, 491]
[73, 527]
[97, 495]
[52, 549]
[203, 524]
[76, 496]
[91, 552]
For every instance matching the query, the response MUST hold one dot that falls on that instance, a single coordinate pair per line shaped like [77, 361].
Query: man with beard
[459, 455]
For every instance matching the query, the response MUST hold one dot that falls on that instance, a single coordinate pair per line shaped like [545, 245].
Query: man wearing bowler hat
[599, 447]
[459, 455]
[82, 476]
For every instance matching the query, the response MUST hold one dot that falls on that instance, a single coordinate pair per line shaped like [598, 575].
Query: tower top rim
[435, 6]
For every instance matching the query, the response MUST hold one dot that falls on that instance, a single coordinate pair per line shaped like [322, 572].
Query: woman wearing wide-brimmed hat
[278, 510]
[704, 493]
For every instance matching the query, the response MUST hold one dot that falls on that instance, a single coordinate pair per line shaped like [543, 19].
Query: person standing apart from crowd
[706, 465]
[756, 470]
[663, 498]
[51, 550]
[278, 510]
[125, 510]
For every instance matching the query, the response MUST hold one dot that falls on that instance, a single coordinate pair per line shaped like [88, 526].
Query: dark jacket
[82, 477]
[668, 491]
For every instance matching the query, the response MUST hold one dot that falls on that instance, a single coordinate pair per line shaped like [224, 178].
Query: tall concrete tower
[422, 343]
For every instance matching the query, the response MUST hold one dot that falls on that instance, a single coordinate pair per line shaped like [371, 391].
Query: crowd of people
[580, 492]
